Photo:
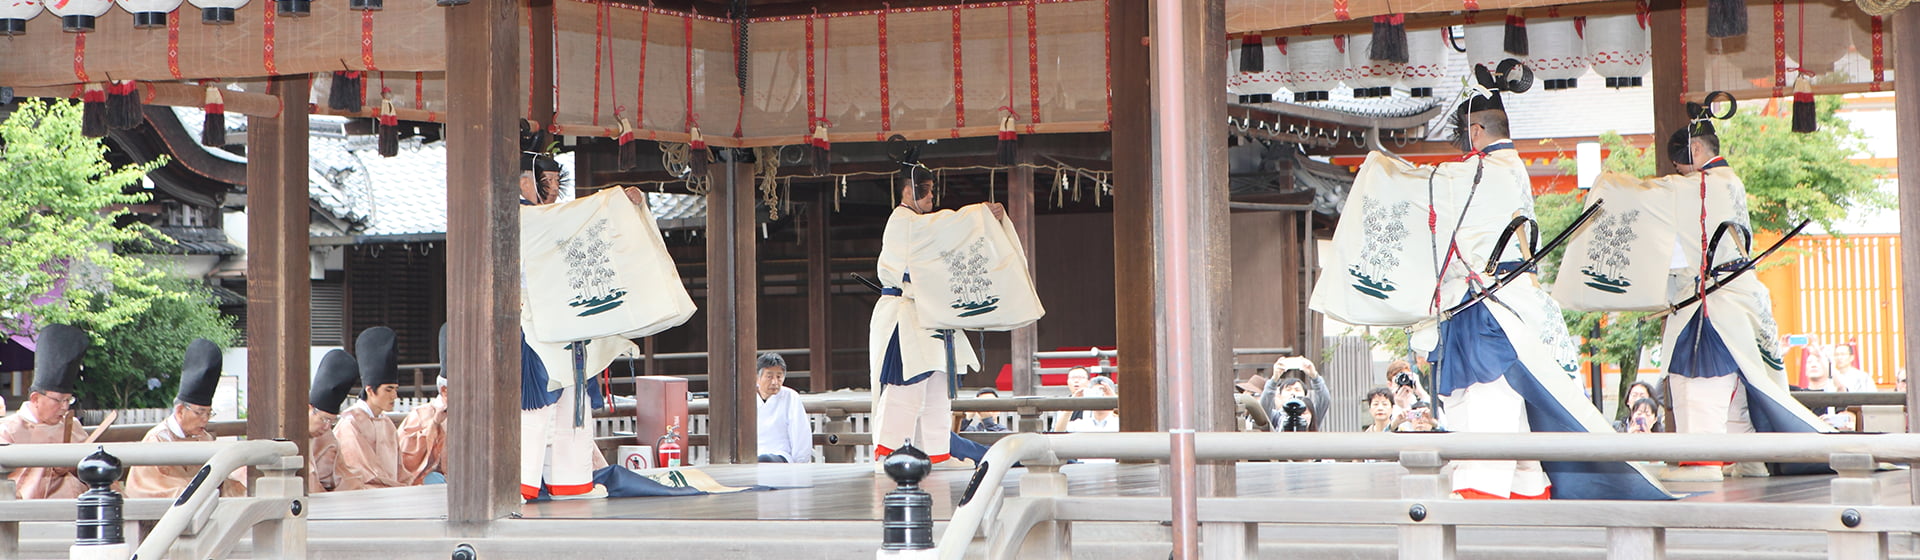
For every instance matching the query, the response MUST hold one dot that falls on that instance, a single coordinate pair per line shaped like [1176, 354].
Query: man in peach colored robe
[46, 417]
[369, 442]
[192, 408]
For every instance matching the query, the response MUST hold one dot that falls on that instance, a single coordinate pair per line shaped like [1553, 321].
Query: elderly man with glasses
[47, 416]
[192, 408]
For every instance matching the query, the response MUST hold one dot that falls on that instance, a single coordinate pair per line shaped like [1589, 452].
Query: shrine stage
[833, 511]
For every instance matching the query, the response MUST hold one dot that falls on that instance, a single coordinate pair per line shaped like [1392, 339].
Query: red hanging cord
[553, 122]
[686, 28]
[173, 44]
[366, 53]
[1106, 15]
[1779, 47]
[80, 57]
[1033, 65]
[886, 91]
[740, 111]
[1879, 54]
[420, 90]
[1470, 5]
[812, 105]
[599, 36]
[640, 90]
[1340, 10]
[530, 62]
[1685, 74]
[959, 81]
[266, 40]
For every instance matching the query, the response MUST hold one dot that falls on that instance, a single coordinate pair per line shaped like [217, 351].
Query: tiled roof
[187, 241]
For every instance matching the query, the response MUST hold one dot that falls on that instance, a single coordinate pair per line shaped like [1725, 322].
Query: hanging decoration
[93, 109]
[1259, 87]
[1253, 57]
[387, 125]
[1726, 18]
[1514, 35]
[1007, 149]
[1620, 47]
[218, 12]
[1369, 78]
[1559, 57]
[148, 14]
[213, 133]
[1426, 62]
[77, 16]
[1805, 119]
[343, 93]
[1315, 64]
[629, 150]
[1389, 39]
[123, 105]
[14, 15]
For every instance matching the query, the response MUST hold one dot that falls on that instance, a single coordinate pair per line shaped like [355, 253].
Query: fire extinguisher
[669, 446]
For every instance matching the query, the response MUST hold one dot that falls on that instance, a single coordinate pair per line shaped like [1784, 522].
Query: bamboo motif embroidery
[1608, 253]
[972, 290]
[589, 271]
[1386, 228]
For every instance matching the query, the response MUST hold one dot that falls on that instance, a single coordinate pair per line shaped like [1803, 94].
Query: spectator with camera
[1420, 418]
[1407, 390]
[1296, 377]
[1643, 417]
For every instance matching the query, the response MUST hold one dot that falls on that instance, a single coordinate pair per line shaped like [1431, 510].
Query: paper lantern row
[1560, 51]
[78, 16]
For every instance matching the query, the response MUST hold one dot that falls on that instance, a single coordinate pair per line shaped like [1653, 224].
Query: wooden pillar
[1669, 109]
[1134, 285]
[483, 239]
[278, 290]
[1906, 111]
[820, 292]
[732, 313]
[1020, 211]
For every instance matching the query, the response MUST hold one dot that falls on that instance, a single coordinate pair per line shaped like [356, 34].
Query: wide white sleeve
[799, 430]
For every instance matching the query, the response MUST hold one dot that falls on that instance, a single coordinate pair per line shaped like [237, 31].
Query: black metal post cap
[149, 20]
[1850, 518]
[907, 465]
[76, 24]
[1417, 513]
[99, 469]
[13, 26]
[216, 16]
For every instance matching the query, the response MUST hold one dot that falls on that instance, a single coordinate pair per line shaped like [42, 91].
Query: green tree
[135, 363]
[1789, 177]
[59, 224]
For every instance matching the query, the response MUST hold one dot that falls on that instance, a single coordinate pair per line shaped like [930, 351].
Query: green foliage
[136, 363]
[56, 229]
[1792, 177]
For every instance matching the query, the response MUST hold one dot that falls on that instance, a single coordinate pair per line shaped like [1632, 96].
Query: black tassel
[214, 132]
[1009, 147]
[1804, 118]
[629, 150]
[822, 150]
[697, 156]
[344, 95]
[387, 124]
[93, 111]
[123, 105]
[1252, 57]
[1516, 40]
[1389, 39]
[1726, 18]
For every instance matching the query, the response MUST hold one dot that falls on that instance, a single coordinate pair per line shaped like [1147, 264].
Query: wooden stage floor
[852, 492]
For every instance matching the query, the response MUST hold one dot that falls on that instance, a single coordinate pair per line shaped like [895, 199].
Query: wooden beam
[1026, 339]
[820, 292]
[1669, 112]
[1906, 110]
[483, 239]
[278, 291]
[732, 313]
[1135, 329]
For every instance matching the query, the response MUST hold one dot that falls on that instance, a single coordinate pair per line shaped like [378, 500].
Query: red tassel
[93, 112]
[1008, 148]
[822, 149]
[697, 154]
[214, 133]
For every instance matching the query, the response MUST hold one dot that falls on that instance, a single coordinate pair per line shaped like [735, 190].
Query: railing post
[1426, 487]
[97, 530]
[907, 518]
[1854, 487]
[838, 425]
[1636, 543]
[284, 538]
[1048, 539]
[1029, 416]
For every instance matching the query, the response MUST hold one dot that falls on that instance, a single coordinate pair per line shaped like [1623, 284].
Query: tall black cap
[200, 373]
[56, 358]
[336, 377]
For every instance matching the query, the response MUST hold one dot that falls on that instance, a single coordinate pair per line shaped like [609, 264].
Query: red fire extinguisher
[669, 446]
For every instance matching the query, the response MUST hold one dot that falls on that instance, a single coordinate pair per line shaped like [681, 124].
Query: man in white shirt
[785, 435]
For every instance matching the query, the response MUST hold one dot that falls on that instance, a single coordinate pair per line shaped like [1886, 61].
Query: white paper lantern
[1369, 78]
[1258, 87]
[148, 14]
[1426, 61]
[14, 15]
[1486, 44]
[1317, 64]
[1619, 48]
[218, 12]
[1555, 52]
[77, 16]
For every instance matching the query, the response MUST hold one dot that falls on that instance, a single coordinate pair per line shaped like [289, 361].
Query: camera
[1403, 379]
[1294, 408]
